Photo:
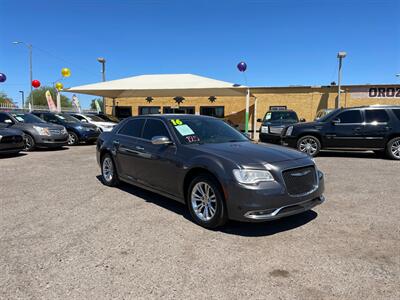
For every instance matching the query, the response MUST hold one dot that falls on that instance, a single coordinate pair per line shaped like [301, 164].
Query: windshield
[110, 118]
[67, 118]
[27, 118]
[205, 131]
[94, 118]
[281, 115]
[327, 116]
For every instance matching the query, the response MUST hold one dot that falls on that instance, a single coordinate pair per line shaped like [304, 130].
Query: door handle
[116, 143]
[357, 129]
[139, 148]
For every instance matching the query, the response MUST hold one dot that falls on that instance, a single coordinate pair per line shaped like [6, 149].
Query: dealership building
[152, 94]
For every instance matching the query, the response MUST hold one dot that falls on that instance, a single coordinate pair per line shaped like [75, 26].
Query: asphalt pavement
[64, 235]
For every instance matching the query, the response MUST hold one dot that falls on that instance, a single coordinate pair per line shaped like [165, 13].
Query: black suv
[273, 123]
[374, 128]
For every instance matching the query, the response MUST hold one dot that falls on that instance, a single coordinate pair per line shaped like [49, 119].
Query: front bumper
[52, 140]
[89, 136]
[270, 138]
[289, 141]
[270, 200]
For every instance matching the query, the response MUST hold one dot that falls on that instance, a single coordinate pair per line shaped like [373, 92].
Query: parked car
[322, 112]
[359, 128]
[211, 167]
[11, 140]
[77, 131]
[37, 133]
[95, 120]
[273, 123]
[106, 117]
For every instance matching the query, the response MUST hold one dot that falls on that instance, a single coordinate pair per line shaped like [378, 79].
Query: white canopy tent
[164, 85]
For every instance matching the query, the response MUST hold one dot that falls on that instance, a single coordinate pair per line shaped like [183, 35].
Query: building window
[179, 110]
[148, 110]
[213, 111]
[122, 112]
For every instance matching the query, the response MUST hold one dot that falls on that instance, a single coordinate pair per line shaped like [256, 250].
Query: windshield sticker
[184, 130]
[60, 117]
[268, 116]
[21, 119]
[176, 122]
[192, 139]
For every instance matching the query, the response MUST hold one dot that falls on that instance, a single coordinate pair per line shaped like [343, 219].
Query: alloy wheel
[309, 146]
[204, 202]
[108, 169]
[28, 142]
[396, 149]
[71, 139]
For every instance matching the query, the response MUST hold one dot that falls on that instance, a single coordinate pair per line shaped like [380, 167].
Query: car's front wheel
[72, 138]
[393, 148]
[29, 142]
[309, 144]
[206, 202]
[108, 171]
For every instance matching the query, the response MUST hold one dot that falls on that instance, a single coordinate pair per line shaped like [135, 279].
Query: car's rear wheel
[206, 202]
[393, 148]
[29, 142]
[108, 171]
[72, 138]
[309, 144]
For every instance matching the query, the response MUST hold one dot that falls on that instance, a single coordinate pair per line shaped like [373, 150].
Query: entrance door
[122, 112]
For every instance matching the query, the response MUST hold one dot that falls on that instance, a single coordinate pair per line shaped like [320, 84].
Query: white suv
[95, 120]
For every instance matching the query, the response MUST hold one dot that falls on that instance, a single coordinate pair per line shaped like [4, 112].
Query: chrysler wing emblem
[298, 174]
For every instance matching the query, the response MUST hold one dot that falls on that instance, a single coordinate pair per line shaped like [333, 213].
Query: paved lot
[63, 235]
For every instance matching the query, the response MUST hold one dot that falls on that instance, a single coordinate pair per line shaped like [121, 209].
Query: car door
[156, 165]
[345, 130]
[377, 126]
[126, 146]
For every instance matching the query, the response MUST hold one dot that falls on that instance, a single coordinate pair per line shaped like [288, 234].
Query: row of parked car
[375, 128]
[26, 131]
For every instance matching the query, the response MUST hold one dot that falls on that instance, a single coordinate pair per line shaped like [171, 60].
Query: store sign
[375, 92]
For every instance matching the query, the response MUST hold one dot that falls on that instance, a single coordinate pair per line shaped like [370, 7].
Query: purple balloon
[242, 66]
[3, 77]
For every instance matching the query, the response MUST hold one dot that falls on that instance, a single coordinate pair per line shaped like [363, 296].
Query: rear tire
[109, 174]
[393, 148]
[29, 142]
[309, 144]
[206, 202]
[72, 138]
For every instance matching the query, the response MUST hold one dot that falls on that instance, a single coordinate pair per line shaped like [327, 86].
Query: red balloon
[35, 83]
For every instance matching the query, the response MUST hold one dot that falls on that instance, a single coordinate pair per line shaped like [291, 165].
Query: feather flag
[75, 103]
[50, 102]
[97, 106]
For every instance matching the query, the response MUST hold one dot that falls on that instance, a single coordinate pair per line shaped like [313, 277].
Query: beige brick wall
[306, 101]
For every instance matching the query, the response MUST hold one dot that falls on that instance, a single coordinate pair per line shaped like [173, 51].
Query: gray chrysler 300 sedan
[211, 167]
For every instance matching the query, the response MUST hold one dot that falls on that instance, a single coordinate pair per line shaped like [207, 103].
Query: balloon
[35, 83]
[59, 86]
[65, 72]
[242, 66]
[3, 77]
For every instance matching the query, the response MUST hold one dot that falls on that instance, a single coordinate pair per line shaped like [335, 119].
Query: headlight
[252, 176]
[0, 137]
[289, 130]
[264, 129]
[42, 130]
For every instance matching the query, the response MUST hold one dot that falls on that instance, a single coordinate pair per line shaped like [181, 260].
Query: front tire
[109, 174]
[206, 202]
[29, 142]
[393, 148]
[72, 138]
[309, 144]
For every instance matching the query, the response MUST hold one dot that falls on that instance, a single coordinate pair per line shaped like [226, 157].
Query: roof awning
[162, 85]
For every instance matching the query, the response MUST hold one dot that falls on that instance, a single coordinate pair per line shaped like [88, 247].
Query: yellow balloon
[59, 86]
[65, 72]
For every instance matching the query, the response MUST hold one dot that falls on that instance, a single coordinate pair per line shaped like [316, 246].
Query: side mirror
[259, 120]
[302, 120]
[8, 121]
[160, 140]
[84, 121]
[335, 121]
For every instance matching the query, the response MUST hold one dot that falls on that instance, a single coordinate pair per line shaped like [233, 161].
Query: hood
[251, 153]
[104, 123]
[48, 125]
[279, 122]
[82, 124]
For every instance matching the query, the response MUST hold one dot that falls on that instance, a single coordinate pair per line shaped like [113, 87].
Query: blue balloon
[242, 66]
[3, 77]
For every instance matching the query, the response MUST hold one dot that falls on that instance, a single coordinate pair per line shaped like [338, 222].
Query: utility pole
[22, 97]
[340, 56]
[102, 60]
[29, 46]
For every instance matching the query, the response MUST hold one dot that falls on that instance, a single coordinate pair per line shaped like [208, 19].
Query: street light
[102, 60]
[340, 56]
[22, 96]
[29, 46]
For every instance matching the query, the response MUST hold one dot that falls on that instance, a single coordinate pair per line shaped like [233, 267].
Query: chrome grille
[55, 131]
[300, 181]
[275, 130]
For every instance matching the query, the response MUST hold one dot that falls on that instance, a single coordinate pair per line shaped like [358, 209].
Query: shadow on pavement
[232, 227]
[50, 149]
[12, 155]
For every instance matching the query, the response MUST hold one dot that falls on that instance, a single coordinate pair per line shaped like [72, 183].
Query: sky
[286, 42]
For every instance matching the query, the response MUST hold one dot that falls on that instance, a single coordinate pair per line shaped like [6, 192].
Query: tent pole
[113, 107]
[246, 124]
[255, 118]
